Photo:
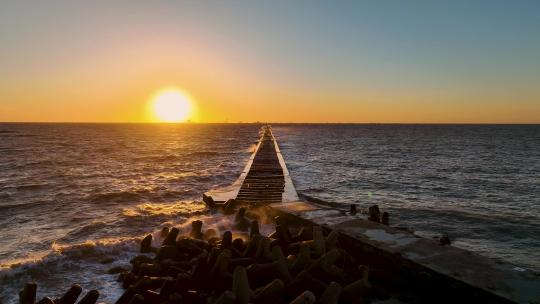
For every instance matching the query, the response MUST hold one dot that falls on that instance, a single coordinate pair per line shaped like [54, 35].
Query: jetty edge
[452, 272]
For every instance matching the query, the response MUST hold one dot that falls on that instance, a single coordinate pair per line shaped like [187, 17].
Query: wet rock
[357, 289]
[70, 297]
[445, 240]
[136, 299]
[91, 297]
[238, 246]
[242, 262]
[302, 282]
[240, 286]
[116, 269]
[254, 228]
[331, 240]
[331, 294]
[127, 279]
[126, 296]
[269, 291]
[170, 240]
[208, 200]
[107, 261]
[318, 244]
[168, 252]
[304, 234]
[146, 244]
[263, 250]
[353, 210]
[303, 260]
[227, 297]
[226, 241]
[307, 297]
[260, 273]
[240, 220]
[28, 294]
[196, 230]
[229, 206]
[164, 232]
[221, 266]
[385, 219]
[277, 254]
[252, 246]
[374, 213]
[46, 300]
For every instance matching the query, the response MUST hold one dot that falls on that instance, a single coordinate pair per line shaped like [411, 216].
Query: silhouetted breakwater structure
[316, 253]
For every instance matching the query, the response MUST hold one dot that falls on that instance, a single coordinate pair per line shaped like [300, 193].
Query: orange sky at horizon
[63, 65]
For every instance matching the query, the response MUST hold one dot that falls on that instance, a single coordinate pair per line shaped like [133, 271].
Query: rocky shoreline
[296, 263]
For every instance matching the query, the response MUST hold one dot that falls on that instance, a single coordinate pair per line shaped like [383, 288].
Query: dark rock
[226, 241]
[136, 299]
[254, 228]
[90, 297]
[28, 294]
[304, 281]
[107, 261]
[304, 234]
[171, 237]
[241, 223]
[307, 297]
[445, 240]
[262, 273]
[46, 300]
[126, 296]
[196, 230]
[229, 206]
[385, 219]
[164, 232]
[331, 294]
[141, 259]
[269, 292]
[146, 244]
[252, 246]
[374, 213]
[240, 286]
[238, 245]
[127, 279]
[353, 210]
[70, 297]
[227, 297]
[116, 269]
[168, 252]
[208, 200]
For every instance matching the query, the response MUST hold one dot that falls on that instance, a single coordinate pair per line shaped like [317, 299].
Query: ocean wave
[24, 204]
[205, 153]
[157, 209]
[62, 265]
[121, 196]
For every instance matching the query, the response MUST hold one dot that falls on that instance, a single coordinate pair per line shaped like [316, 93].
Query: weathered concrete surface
[265, 178]
[492, 276]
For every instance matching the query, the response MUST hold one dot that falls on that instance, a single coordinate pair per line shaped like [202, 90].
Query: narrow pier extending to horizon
[265, 181]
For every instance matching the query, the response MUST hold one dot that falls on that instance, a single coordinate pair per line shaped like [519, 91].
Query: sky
[276, 61]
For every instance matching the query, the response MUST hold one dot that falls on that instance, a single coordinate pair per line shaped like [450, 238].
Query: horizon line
[264, 122]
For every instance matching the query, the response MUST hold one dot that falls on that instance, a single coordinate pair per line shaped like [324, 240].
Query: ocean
[75, 199]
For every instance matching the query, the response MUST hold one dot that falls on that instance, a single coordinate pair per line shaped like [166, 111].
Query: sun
[171, 105]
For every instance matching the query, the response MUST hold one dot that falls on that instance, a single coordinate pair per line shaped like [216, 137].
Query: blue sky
[334, 58]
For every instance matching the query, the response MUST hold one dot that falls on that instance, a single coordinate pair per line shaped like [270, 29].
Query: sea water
[75, 199]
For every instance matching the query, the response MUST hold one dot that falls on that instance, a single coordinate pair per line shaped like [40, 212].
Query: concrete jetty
[265, 178]
[450, 271]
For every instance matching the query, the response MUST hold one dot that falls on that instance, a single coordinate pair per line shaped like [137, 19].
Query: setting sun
[171, 105]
